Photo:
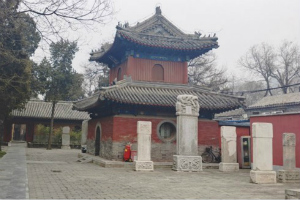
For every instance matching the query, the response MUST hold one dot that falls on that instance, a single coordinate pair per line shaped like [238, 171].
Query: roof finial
[158, 10]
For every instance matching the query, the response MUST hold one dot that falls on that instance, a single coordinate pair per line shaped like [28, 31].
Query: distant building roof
[42, 109]
[158, 94]
[278, 100]
[236, 112]
[154, 33]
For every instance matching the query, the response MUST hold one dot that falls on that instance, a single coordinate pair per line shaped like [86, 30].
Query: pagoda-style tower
[153, 51]
[148, 65]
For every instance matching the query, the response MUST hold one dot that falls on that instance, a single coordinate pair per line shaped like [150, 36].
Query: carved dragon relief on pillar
[187, 105]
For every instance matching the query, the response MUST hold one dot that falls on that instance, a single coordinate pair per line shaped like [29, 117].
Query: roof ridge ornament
[158, 10]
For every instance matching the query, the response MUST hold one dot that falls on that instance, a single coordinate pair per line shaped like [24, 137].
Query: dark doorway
[19, 132]
[97, 142]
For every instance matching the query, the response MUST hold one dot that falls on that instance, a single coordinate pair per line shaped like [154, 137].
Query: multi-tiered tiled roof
[158, 94]
[154, 34]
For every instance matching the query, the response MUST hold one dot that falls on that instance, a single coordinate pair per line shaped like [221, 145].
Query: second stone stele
[289, 172]
[186, 158]
[143, 162]
[65, 138]
[262, 170]
[228, 149]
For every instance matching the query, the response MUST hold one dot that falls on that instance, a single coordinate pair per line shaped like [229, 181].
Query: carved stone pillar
[289, 172]
[186, 158]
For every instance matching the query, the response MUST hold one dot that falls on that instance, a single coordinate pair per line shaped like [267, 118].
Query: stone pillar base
[228, 167]
[187, 163]
[262, 177]
[292, 194]
[65, 147]
[143, 165]
[284, 176]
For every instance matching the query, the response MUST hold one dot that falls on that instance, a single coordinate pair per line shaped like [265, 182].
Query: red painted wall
[106, 128]
[288, 123]
[140, 69]
[123, 128]
[208, 133]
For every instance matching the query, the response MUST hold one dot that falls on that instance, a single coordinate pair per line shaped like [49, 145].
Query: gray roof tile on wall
[41, 109]
[278, 100]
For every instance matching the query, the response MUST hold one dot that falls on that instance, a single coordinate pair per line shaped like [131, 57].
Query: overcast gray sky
[239, 24]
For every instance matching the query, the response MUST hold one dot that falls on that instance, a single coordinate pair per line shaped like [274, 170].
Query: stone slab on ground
[228, 167]
[288, 175]
[292, 194]
[263, 177]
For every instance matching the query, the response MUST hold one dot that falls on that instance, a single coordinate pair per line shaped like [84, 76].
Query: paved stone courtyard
[57, 174]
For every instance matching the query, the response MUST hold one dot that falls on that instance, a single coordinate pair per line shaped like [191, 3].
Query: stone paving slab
[13, 173]
[67, 178]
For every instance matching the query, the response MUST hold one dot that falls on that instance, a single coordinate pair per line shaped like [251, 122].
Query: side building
[22, 124]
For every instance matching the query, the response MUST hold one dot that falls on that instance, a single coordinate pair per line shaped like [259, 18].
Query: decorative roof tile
[42, 109]
[158, 94]
[278, 100]
[156, 32]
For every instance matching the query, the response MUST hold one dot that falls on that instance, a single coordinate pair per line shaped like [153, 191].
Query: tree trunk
[1, 133]
[51, 125]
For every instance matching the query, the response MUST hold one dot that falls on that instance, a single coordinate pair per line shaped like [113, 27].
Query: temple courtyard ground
[57, 174]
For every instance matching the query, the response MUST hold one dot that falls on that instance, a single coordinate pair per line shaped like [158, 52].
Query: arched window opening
[157, 73]
[119, 76]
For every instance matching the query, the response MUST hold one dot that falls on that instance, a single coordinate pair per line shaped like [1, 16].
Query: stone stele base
[143, 165]
[292, 194]
[187, 163]
[262, 177]
[284, 176]
[228, 167]
[65, 147]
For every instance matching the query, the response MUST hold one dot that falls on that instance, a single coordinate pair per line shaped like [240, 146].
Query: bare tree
[56, 17]
[204, 72]
[260, 59]
[287, 66]
[95, 76]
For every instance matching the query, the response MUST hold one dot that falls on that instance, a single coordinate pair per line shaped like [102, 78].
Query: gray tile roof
[278, 100]
[158, 32]
[41, 109]
[158, 94]
[230, 113]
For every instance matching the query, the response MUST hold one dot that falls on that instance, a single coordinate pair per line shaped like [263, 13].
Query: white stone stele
[65, 138]
[84, 131]
[228, 149]
[186, 158]
[289, 172]
[261, 172]
[143, 162]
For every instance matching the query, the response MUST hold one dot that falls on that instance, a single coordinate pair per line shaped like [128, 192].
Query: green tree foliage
[18, 41]
[56, 79]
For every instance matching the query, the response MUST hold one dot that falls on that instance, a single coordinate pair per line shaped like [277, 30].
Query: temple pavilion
[148, 66]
